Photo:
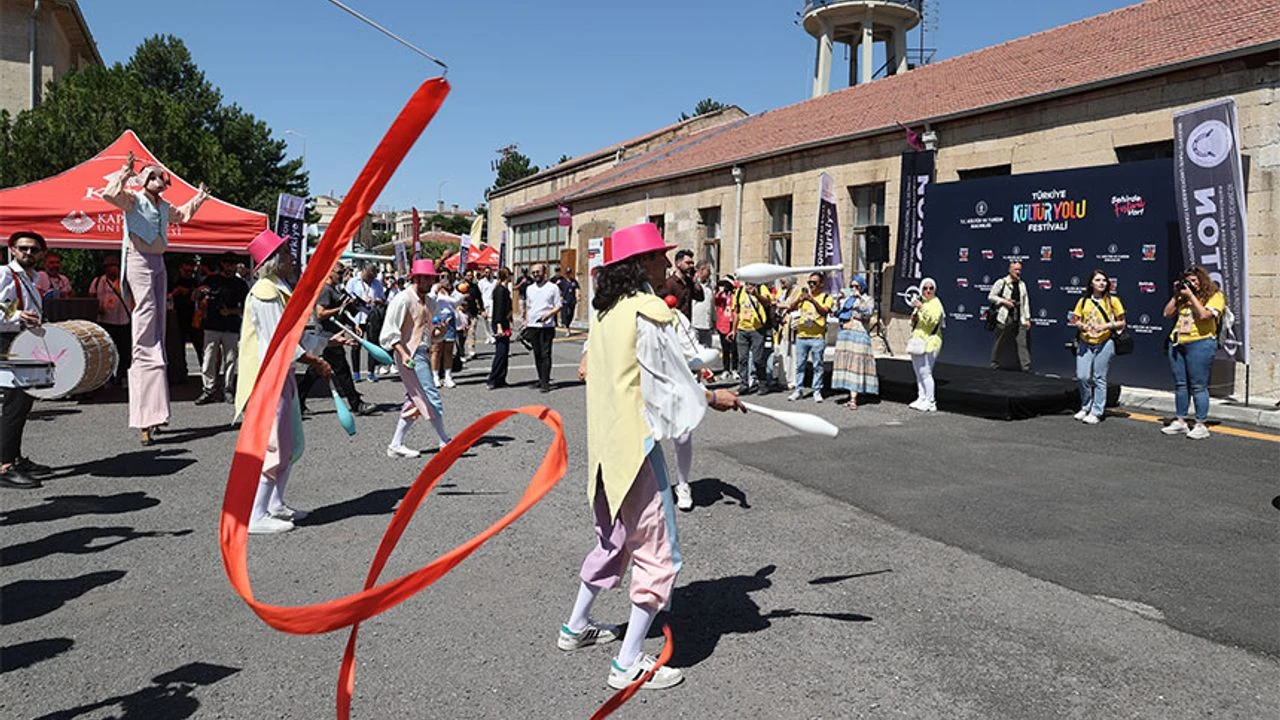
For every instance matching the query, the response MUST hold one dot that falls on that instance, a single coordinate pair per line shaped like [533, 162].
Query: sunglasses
[164, 179]
[28, 248]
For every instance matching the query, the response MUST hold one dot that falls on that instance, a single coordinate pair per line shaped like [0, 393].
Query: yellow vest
[249, 365]
[616, 429]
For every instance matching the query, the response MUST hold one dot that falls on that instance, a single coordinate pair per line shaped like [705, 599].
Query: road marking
[1225, 430]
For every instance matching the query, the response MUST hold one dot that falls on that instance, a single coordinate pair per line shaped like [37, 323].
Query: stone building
[40, 40]
[1099, 91]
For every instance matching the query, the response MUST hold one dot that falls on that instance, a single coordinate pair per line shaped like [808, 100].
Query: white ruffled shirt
[674, 402]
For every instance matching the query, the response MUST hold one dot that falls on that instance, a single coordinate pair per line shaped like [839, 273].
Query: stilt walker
[639, 392]
[145, 285]
[408, 318]
[264, 307]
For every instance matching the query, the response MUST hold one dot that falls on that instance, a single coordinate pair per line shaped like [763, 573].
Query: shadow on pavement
[139, 463]
[709, 491]
[28, 599]
[75, 542]
[60, 507]
[177, 437]
[377, 502]
[707, 610]
[829, 579]
[24, 655]
[169, 697]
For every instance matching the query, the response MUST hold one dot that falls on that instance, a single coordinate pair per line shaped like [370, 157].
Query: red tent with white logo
[68, 209]
[484, 256]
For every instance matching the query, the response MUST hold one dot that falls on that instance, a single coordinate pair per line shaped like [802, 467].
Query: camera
[354, 304]
[1180, 284]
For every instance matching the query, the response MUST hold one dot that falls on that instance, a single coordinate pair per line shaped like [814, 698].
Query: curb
[1263, 412]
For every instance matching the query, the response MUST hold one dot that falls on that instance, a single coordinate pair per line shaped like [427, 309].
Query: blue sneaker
[355, 377]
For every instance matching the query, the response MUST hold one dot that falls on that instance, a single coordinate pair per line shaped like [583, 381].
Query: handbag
[916, 345]
[1122, 339]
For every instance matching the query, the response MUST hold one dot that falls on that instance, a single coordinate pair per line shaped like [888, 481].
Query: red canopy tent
[69, 211]
[484, 256]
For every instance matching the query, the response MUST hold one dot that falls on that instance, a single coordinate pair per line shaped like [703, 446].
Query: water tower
[859, 24]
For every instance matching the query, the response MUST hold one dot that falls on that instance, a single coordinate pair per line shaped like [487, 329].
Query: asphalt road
[918, 567]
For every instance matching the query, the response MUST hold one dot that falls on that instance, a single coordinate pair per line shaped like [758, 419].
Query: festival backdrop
[1061, 225]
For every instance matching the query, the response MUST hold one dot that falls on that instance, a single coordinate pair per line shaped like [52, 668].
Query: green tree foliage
[563, 159]
[704, 106]
[456, 224]
[178, 114]
[514, 166]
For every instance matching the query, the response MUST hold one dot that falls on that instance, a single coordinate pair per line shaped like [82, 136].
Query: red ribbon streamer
[250, 451]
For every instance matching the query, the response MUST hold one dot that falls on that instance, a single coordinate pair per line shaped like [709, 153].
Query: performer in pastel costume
[408, 318]
[639, 392]
[263, 309]
[145, 285]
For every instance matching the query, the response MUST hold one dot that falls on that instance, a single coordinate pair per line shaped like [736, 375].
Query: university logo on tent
[1149, 252]
[1046, 253]
[964, 254]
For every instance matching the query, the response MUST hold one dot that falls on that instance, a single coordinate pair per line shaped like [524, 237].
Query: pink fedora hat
[632, 241]
[261, 247]
[422, 266]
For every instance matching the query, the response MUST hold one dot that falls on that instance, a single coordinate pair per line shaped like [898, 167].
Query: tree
[563, 159]
[513, 166]
[456, 224]
[704, 106]
[164, 97]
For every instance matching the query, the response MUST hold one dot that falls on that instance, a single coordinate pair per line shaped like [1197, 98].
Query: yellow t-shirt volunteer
[751, 308]
[812, 321]
[1186, 329]
[1089, 315]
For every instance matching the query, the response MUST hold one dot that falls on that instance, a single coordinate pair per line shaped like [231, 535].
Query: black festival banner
[1061, 226]
[917, 174]
[1209, 183]
[290, 210]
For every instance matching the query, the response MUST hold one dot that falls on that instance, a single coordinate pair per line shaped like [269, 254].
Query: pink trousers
[148, 375]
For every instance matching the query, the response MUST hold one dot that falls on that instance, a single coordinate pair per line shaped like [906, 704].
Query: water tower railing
[811, 5]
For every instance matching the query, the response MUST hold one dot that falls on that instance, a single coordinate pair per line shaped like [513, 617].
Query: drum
[26, 374]
[82, 354]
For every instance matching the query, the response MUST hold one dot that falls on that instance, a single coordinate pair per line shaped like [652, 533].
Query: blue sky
[557, 78]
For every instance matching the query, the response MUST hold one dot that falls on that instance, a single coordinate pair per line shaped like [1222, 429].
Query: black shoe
[744, 390]
[207, 398]
[27, 466]
[544, 388]
[304, 411]
[365, 408]
[16, 479]
[230, 397]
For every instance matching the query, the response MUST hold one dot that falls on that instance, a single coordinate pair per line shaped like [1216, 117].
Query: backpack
[1226, 327]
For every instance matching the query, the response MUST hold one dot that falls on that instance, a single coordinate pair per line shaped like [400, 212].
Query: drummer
[21, 306]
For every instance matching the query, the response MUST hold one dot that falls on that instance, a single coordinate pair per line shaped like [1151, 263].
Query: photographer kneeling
[1197, 304]
[1098, 317]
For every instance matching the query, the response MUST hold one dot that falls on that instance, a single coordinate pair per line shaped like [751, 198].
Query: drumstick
[345, 419]
[802, 422]
[759, 273]
[376, 352]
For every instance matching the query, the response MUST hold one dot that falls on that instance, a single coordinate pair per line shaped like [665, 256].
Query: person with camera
[925, 343]
[1097, 317]
[752, 307]
[332, 303]
[1197, 307]
[810, 305]
[221, 297]
[1011, 302]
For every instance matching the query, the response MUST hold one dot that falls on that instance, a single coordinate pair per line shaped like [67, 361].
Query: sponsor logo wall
[1061, 225]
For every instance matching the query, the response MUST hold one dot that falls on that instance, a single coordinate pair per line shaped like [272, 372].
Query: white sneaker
[394, 451]
[1199, 432]
[284, 512]
[793, 396]
[918, 404]
[1090, 419]
[443, 443]
[817, 396]
[1177, 427]
[684, 497]
[930, 406]
[620, 677]
[595, 633]
[469, 357]
[448, 381]
[1080, 414]
[267, 525]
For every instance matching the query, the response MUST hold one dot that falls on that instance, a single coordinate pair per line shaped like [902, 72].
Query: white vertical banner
[463, 252]
[595, 258]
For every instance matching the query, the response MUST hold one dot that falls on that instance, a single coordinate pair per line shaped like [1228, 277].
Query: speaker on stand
[877, 254]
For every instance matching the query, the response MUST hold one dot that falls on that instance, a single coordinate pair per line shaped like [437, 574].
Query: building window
[660, 221]
[985, 172]
[1145, 151]
[868, 209]
[537, 242]
[779, 229]
[709, 219]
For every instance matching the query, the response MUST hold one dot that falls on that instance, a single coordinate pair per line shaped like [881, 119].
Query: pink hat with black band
[632, 241]
[262, 246]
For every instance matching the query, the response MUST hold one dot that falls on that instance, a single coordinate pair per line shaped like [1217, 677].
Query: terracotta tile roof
[1143, 38]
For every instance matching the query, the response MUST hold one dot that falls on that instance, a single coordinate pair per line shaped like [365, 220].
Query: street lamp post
[440, 194]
